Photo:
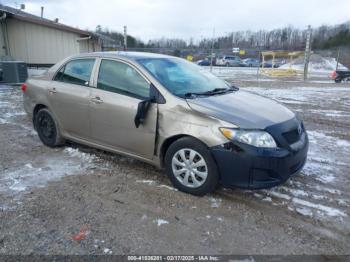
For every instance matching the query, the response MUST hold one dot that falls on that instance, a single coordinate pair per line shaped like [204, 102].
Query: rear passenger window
[76, 72]
[121, 78]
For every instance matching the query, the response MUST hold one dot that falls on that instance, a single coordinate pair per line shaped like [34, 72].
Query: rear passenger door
[69, 95]
[113, 107]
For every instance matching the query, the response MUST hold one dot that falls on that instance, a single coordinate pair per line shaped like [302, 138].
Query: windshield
[181, 77]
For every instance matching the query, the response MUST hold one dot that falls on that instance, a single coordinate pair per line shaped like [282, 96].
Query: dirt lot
[122, 206]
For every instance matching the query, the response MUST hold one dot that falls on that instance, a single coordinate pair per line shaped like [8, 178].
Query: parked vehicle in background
[251, 62]
[171, 113]
[268, 64]
[229, 61]
[203, 62]
[340, 75]
[278, 63]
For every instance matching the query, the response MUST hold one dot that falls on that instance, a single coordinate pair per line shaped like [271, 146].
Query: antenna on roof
[42, 12]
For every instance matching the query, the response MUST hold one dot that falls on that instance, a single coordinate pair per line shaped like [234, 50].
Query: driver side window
[121, 78]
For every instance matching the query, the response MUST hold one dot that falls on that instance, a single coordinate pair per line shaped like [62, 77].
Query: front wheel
[190, 167]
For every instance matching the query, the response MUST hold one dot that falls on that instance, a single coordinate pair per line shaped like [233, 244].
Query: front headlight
[251, 137]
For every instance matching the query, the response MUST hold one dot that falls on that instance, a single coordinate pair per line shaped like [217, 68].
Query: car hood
[243, 109]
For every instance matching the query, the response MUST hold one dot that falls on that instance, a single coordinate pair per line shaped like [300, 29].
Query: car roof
[123, 54]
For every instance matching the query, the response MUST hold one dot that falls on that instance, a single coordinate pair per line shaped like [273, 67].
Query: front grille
[292, 136]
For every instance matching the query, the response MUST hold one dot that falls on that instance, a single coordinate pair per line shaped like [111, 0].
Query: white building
[39, 41]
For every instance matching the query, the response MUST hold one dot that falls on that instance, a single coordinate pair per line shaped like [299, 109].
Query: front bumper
[249, 167]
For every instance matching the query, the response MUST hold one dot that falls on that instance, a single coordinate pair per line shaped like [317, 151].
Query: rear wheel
[227, 64]
[190, 167]
[47, 128]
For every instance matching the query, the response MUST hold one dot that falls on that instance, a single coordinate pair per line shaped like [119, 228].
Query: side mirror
[143, 106]
[142, 109]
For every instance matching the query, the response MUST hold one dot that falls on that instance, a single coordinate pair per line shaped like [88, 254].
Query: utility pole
[336, 68]
[233, 44]
[211, 51]
[307, 52]
[258, 69]
[125, 38]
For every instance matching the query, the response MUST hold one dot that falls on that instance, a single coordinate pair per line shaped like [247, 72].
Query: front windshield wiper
[215, 91]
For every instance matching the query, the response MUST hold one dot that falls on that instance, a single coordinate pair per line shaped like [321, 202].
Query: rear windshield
[180, 76]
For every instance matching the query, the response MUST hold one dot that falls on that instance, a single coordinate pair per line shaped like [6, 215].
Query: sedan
[171, 113]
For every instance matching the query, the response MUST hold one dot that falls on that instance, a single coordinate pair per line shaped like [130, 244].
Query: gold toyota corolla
[171, 113]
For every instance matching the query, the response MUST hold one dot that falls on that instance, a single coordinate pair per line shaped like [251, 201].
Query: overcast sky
[147, 19]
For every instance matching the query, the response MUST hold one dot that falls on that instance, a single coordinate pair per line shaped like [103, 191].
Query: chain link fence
[321, 65]
[342, 55]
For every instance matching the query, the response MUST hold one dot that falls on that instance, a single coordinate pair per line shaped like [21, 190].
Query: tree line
[286, 38]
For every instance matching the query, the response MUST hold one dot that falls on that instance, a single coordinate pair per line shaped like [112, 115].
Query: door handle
[53, 91]
[97, 100]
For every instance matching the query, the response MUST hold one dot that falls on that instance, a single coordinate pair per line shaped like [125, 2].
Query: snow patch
[168, 187]
[75, 152]
[343, 143]
[215, 202]
[36, 72]
[295, 192]
[28, 165]
[278, 195]
[107, 251]
[317, 64]
[149, 182]
[333, 212]
[52, 168]
[267, 199]
[328, 190]
[314, 136]
[304, 211]
[321, 171]
[160, 222]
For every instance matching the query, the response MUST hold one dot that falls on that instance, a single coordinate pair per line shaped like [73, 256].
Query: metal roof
[24, 16]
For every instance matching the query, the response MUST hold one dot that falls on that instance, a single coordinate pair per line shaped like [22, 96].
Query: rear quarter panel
[36, 93]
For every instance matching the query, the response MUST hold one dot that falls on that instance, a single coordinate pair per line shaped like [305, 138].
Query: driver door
[113, 107]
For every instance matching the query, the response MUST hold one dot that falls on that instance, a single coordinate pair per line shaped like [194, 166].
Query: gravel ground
[78, 200]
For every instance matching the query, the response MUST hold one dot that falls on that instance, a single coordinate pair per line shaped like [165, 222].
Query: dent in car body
[179, 119]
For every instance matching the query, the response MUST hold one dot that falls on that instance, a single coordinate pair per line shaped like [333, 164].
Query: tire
[196, 185]
[338, 80]
[227, 64]
[47, 128]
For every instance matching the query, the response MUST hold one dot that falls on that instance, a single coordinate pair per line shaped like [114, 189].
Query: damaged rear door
[114, 104]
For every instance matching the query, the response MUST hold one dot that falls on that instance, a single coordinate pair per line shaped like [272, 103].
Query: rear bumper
[248, 167]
